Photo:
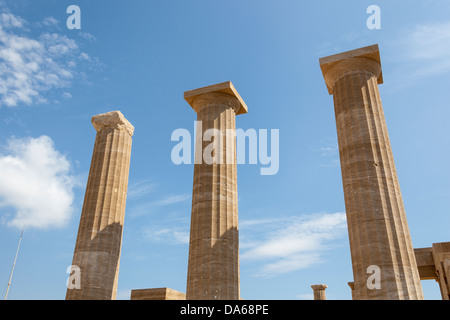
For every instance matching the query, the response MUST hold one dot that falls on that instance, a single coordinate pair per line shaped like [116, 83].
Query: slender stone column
[377, 226]
[213, 268]
[99, 240]
[319, 291]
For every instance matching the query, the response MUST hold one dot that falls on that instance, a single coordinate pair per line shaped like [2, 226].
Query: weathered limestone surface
[351, 284]
[99, 240]
[319, 291]
[157, 294]
[425, 263]
[434, 263]
[213, 268]
[441, 256]
[377, 225]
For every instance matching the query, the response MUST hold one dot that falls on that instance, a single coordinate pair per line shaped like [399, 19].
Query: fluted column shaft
[380, 241]
[99, 240]
[213, 268]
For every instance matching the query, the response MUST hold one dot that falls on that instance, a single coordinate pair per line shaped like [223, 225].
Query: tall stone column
[213, 268]
[380, 241]
[319, 291]
[99, 240]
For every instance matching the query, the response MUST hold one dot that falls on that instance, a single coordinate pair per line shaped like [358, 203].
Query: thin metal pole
[14, 264]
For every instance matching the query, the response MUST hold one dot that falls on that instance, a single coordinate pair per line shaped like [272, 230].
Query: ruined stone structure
[157, 294]
[377, 226]
[319, 291]
[434, 264]
[213, 267]
[99, 240]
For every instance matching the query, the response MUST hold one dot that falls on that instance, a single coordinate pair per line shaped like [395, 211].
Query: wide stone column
[380, 241]
[319, 291]
[99, 240]
[213, 268]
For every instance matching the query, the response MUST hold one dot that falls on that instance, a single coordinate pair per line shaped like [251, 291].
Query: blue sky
[139, 57]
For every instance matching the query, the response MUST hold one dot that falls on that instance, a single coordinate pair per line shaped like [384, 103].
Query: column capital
[335, 66]
[316, 287]
[112, 119]
[224, 87]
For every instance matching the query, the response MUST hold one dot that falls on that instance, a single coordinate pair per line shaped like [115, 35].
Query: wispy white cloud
[328, 149]
[429, 41]
[8, 20]
[173, 234]
[137, 209]
[66, 95]
[87, 36]
[172, 228]
[173, 199]
[50, 22]
[330, 152]
[31, 66]
[423, 50]
[297, 243]
[140, 188]
[36, 187]
[84, 56]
